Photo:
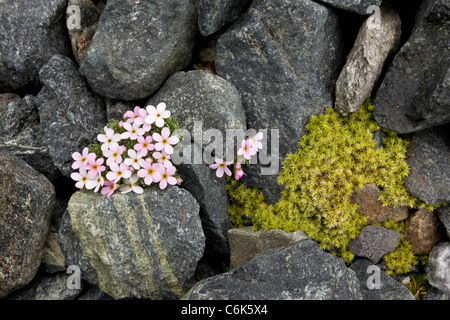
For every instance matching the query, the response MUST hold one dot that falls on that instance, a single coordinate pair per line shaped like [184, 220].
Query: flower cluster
[249, 147]
[131, 154]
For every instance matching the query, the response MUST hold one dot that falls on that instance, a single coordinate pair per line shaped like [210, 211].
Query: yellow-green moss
[336, 156]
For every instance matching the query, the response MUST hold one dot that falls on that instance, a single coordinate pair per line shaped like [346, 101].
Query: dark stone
[301, 271]
[284, 58]
[30, 33]
[211, 194]
[138, 45]
[415, 93]
[358, 7]
[444, 215]
[26, 202]
[428, 158]
[389, 288]
[48, 287]
[71, 248]
[71, 114]
[215, 14]
[373, 242]
[21, 134]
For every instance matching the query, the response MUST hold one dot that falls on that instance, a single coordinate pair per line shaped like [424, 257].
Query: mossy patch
[336, 156]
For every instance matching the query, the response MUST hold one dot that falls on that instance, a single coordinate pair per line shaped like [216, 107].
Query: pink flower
[82, 177]
[162, 158]
[238, 172]
[150, 172]
[95, 166]
[142, 115]
[117, 172]
[157, 115]
[164, 141]
[256, 141]
[221, 166]
[82, 160]
[131, 186]
[132, 116]
[133, 131]
[133, 159]
[96, 183]
[247, 149]
[166, 177]
[114, 155]
[110, 139]
[109, 188]
[144, 145]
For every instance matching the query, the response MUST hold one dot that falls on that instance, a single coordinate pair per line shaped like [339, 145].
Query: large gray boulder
[201, 96]
[428, 158]
[138, 45]
[71, 114]
[415, 92]
[31, 32]
[284, 58]
[140, 245]
[26, 203]
[301, 271]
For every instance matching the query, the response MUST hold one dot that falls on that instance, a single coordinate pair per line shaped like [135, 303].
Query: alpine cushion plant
[130, 154]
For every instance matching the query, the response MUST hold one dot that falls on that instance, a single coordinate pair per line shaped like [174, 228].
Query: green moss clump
[337, 155]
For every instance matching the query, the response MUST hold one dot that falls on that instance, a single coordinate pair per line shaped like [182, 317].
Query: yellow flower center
[145, 145]
[83, 159]
[133, 131]
[163, 158]
[164, 176]
[109, 140]
[150, 171]
[222, 165]
[119, 173]
[84, 179]
[164, 141]
[115, 154]
[135, 160]
[94, 166]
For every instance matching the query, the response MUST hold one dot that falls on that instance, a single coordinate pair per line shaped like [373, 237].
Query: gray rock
[284, 58]
[6, 98]
[138, 45]
[48, 287]
[72, 250]
[354, 6]
[141, 245]
[301, 271]
[389, 288]
[21, 134]
[436, 294]
[71, 114]
[438, 268]
[211, 194]
[26, 201]
[428, 158]
[201, 96]
[94, 293]
[53, 259]
[215, 14]
[415, 92]
[444, 215]
[373, 45]
[373, 242]
[246, 243]
[115, 109]
[82, 28]
[31, 33]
